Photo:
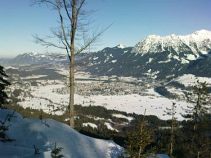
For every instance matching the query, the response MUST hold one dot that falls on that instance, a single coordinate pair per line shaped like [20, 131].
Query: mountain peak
[199, 41]
[203, 31]
[121, 46]
[153, 36]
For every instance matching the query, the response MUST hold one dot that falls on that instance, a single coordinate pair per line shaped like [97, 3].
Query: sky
[132, 21]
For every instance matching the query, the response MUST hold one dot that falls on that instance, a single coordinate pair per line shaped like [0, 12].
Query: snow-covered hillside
[191, 80]
[43, 134]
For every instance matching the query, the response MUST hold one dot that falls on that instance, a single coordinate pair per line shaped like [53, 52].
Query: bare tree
[70, 13]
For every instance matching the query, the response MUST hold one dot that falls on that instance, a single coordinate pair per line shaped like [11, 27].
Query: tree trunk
[198, 154]
[139, 152]
[172, 132]
[72, 63]
[141, 130]
[71, 97]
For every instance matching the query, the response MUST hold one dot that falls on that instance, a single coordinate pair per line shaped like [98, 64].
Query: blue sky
[132, 21]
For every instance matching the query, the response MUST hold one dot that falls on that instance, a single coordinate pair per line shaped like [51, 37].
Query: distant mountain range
[155, 57]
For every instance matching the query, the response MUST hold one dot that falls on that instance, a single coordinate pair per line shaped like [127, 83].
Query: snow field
[44, 134]
[154, 104]
[191, 80]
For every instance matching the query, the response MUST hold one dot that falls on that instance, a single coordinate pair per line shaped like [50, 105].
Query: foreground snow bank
[44, 134]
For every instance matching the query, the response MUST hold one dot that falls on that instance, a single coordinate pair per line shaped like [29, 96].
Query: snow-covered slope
[191, 80]
[44, 134]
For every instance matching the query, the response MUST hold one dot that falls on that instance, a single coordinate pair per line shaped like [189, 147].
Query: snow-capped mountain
[156, 57]
[122, 46]
[194, 44]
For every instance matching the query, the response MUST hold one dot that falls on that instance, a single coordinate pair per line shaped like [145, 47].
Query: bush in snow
[56, 152]
[4, 126]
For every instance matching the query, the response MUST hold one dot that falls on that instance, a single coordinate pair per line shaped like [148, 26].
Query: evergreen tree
[196, 139]
[3, 84]
[139, 139]
[201, 103]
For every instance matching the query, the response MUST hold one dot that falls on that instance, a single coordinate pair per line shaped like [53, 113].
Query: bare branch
[91, 40]
[66, 9]
[62, 27]
[80, 6]
[46, 43]
[46, 2]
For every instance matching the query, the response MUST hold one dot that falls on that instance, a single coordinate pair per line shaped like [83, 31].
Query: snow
[110, 69]
[62, 71]
[184, 61]
[11, 67]
[176, 57]
[135, 103]
[151, 74]
[152, 92]
[129, 79]
[78, 74]
[45, 133]
[150, 60]
[107, 58]
[191, 57]
[120, 46]
[47, 95]
[42, 56]
[47, 99]
[113, 61]
[176, 91]
[33, 77]
[166, 61]
[89, 124]
[108, 125]
[95, 58]
[190, 80]
[123, 116]
[38, 103]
